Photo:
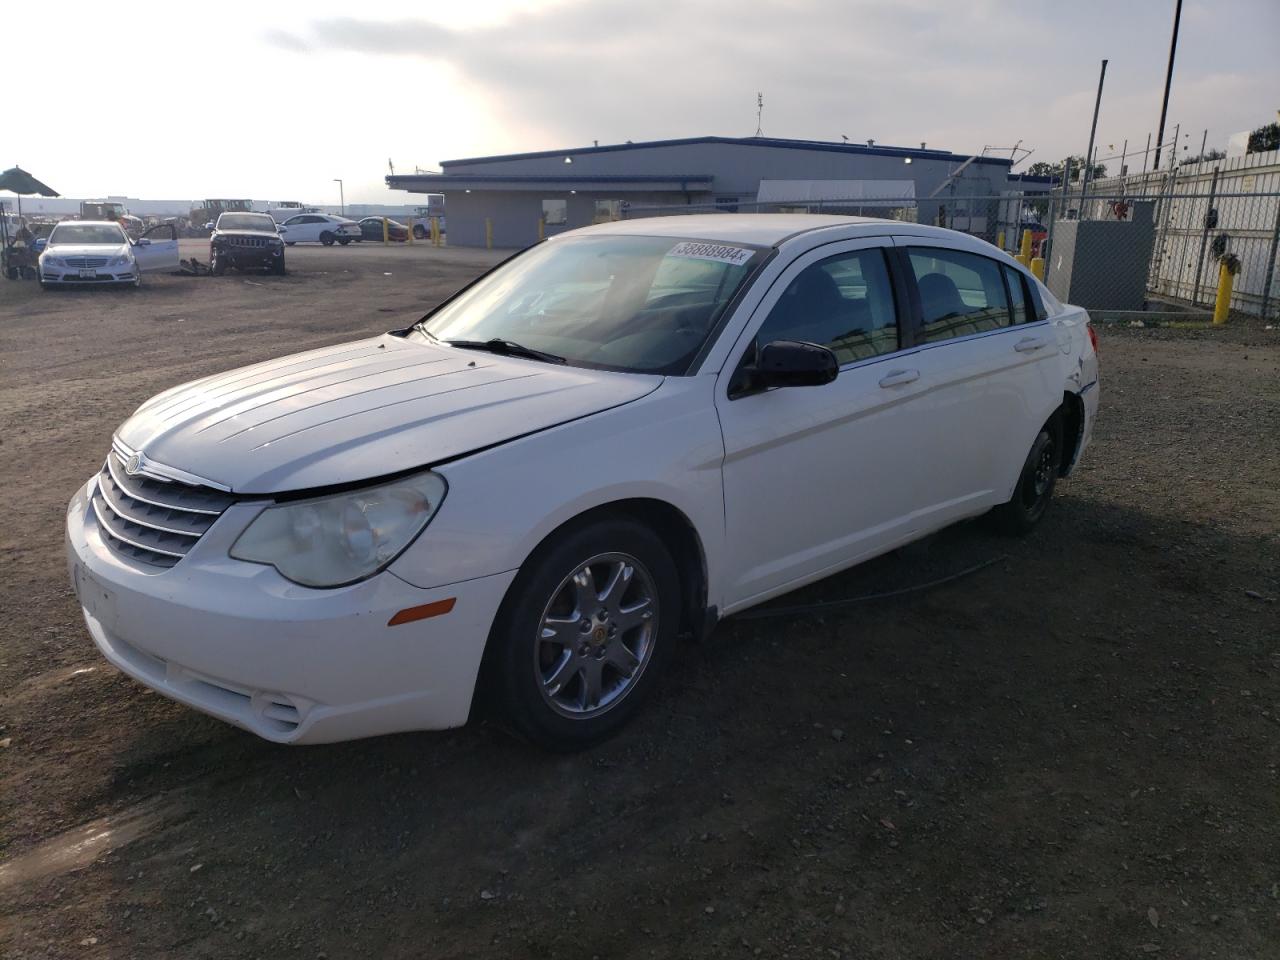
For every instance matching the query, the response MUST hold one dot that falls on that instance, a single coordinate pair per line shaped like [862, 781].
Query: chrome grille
[86, 262]
[153, 521]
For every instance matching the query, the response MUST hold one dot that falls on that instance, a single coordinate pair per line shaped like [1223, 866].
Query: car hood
[361, 410]
[87, 250]
[247, 233]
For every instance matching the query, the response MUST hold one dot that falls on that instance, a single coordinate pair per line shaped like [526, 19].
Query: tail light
[1093, 336]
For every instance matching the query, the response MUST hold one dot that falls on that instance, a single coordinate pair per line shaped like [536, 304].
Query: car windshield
[638, 304]
[86, 233]
[246, 221]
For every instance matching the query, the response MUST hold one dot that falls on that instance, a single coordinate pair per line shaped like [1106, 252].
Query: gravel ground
[1071, 753]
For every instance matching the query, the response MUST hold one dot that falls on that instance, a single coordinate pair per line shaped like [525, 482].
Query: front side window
[639, 304]
[960, 293]
[555, 212]
[844, 303]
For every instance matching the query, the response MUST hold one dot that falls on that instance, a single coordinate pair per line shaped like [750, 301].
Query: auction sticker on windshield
[711, 251]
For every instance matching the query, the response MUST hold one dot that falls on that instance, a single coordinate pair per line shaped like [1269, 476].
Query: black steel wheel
[1035, 484]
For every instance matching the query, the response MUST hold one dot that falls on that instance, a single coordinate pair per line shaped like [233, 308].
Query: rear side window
[1018, 296]
[960, 293]
[844, 303]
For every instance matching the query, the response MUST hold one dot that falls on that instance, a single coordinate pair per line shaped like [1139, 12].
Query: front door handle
[1028, 344]
[899, 377]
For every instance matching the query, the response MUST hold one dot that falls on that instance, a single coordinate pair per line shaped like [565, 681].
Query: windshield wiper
[506, 348]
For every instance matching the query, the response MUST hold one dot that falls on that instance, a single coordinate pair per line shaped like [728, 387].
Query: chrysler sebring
[599, 448]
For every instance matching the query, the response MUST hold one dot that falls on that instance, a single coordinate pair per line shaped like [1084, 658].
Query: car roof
[87, 223]
[763, 229]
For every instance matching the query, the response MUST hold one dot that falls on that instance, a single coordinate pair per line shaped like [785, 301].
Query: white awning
[863, 193]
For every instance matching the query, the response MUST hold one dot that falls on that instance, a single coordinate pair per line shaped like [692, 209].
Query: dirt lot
[1072, 753]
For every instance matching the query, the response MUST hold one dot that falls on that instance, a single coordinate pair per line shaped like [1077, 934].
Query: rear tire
[583, 634]
[1035, 484]
[326, 238]
[419, 232]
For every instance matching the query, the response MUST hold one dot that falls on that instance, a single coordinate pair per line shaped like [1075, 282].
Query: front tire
[278, 267]
[217, 264]
[583, 634]
[343, 241]
[419, 232]
[1035, 484]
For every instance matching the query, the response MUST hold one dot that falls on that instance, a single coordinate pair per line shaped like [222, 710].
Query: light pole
[342, 200]
[1168, 79]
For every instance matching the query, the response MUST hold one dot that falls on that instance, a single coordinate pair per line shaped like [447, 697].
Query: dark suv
[246, 241]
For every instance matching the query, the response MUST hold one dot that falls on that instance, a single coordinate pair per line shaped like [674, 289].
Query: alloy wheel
[596, 635]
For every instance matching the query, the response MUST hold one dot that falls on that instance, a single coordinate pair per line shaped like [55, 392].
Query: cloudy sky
[273, 100]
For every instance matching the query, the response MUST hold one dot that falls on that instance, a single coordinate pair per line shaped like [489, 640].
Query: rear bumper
[290, 664]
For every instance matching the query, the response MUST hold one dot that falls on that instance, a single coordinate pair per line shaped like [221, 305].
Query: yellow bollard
[1025, 252]
[488, 233]
[386, 233]
[1021, 259]
[1226, 280]
[1000, 239]
[409, 224]
[542, 229]
[1037, 268]
[435, 231]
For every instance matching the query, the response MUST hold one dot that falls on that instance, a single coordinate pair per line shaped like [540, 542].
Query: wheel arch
[677, 533]
[1071, 421]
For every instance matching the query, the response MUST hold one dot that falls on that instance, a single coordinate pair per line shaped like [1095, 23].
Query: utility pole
[1168, 79]
[759, 114]
[1093, 130]
[342, 199]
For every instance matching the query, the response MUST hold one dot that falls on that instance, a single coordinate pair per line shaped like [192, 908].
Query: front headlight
[121, 261]
[337, 540]
[49, 261]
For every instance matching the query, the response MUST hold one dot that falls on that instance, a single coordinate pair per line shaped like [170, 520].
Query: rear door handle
[1028, 344]
[899, 377]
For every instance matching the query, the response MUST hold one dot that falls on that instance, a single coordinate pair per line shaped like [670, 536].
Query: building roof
[440, 182]
[774, 142]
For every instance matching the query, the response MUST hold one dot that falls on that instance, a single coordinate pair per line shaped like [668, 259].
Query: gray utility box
[1103, 264]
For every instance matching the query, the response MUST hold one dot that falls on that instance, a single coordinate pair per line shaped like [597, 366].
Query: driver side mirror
[143, 241]
[794, 363]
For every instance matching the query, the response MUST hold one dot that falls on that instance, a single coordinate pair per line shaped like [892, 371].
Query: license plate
[88, 274]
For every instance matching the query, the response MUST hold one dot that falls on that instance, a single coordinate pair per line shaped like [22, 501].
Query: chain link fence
[1144, 249]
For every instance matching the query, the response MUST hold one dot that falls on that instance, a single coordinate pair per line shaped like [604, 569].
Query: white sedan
[612, 441]
[319, 228]
[101, 253]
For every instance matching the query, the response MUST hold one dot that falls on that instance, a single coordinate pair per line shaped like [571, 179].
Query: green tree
[1264, 139]
[1044, 169]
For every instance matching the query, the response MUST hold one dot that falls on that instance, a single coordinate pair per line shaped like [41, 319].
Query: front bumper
[244, 255]
[71, 276]
[291, 664]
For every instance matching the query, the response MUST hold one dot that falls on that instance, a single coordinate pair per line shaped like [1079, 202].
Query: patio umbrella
[16, 180]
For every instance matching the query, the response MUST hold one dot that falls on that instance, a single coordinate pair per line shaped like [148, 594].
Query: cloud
[956, 75]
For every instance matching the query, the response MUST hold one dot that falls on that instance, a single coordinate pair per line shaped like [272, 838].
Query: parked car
[246, 241]
[99, 252]
[371, 229]
[611, 441]
[319, 228]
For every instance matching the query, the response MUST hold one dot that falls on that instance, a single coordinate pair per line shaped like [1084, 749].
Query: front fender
[504, 501]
